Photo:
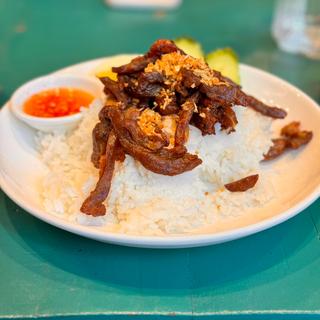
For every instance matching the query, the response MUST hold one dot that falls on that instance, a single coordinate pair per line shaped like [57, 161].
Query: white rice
[142, 202]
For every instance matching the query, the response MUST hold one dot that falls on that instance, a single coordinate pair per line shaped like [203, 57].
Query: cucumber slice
[226, 61]
[190, 47]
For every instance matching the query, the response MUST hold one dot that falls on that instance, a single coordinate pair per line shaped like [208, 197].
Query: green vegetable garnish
[226, 61]
[190, 47]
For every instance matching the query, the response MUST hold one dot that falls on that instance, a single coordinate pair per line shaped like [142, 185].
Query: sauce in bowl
[57, 102]
[52, 103]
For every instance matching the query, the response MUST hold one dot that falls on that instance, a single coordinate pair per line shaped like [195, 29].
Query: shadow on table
[179, 269]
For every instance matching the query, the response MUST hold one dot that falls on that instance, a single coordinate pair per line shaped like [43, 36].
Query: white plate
[297, 183]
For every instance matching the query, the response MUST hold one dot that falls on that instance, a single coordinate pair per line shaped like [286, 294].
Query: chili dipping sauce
[57, 102]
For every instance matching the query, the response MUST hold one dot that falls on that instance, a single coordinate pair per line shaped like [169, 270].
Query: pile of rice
[142, 202]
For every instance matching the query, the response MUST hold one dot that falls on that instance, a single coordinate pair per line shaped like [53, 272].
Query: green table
[47, 272]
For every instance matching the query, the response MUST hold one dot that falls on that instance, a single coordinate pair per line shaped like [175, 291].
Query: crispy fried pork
[165, 82]
[291, 138]
[243, 184]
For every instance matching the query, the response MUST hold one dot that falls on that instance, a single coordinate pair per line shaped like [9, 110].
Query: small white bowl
[19, 97]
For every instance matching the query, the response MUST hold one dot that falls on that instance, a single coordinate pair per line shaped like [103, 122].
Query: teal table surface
[47, 272]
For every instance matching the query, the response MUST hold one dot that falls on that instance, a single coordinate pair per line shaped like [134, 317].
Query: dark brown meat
[163, 162]
[93, 205]
[185, 115]
[152, 142]
[259, 106]
[291, 129]
[205, 121]
[220, 94]
[143, 85]
[181, 90]
[251, 102]
[166, 109]
[168, 86]
[210, 114]
[278, 147]
[291, 138]
[126, 123]
[242, 184]
[227, 94]
[151, 77]
[148, 85]
[295, 137]
[100, 136]
[113, 88]
[136, 65]
[162, 46]
[303, 137]
[227, 118]
[189, 79]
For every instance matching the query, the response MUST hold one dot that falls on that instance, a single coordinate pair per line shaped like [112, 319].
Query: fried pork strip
[242, 184]
[93, 205]
[167, 82]
[291, 138]
[164, 161]
[185, 116]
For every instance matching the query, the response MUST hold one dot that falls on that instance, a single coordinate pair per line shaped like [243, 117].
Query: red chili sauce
[57, 102]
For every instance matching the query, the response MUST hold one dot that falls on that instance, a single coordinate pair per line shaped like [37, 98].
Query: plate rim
[172, 241]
